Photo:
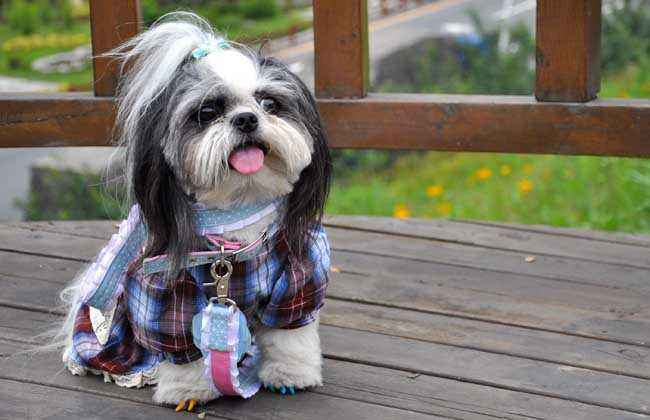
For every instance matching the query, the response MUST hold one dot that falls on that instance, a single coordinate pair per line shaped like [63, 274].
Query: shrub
[22, 16]
[626, 35]
[69, 195]
[259, 9]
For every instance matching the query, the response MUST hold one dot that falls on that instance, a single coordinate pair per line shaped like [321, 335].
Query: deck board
[424, 319]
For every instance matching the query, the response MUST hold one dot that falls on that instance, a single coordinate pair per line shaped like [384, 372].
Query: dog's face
[206, 120]
[238, 133]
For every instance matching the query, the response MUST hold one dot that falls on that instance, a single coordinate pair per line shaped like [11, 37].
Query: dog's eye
[269, 105]
[209, 112]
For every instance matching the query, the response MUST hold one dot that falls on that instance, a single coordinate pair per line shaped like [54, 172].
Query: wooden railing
[563, 118]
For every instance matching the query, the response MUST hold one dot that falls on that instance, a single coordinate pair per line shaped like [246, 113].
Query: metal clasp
[221, 270]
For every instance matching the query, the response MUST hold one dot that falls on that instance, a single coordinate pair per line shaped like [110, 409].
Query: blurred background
[444, 46]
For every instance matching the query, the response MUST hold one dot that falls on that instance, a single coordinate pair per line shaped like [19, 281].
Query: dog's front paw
[183, 385]
[287, 378]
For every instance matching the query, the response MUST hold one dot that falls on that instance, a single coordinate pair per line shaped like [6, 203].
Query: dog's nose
[245, 122]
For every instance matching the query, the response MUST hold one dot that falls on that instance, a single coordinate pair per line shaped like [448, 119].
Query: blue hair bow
[205, 49]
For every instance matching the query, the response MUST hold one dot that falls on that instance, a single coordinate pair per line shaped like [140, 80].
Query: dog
[208, 125]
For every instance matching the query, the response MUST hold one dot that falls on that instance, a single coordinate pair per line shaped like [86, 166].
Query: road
[386, 36]
[437, 19]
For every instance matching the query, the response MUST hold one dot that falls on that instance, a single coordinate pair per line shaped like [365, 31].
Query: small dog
[209, 124]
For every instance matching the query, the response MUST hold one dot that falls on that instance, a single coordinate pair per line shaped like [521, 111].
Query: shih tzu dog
[228, 167]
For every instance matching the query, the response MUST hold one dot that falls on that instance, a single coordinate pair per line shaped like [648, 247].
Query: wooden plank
[466, 365]
[66, 119]
[111, 23]
[502, 239]
[579, 352]
[568, 50]
[534, 377]
[588, 269]
[508, 124]
[32, 401]
[393, 388]
[341, 48]
[478, 296]
[46, 370]
[601, 278]
[56, 245]
[596, 235]
[616, 127]
[55, 270]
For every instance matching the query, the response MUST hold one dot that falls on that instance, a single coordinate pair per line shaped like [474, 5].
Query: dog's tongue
[247, 160]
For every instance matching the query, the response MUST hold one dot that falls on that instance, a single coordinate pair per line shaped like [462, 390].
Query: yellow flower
[483, 173]
[505, 170]
[528, 168]
[401, 211]
[568, 174]
[435, 190]
[525, 186]
[445, 208]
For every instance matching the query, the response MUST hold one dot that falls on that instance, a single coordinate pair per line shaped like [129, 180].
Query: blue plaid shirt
[153, 318]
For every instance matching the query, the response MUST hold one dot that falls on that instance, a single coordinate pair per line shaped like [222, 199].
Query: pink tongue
[247, 160]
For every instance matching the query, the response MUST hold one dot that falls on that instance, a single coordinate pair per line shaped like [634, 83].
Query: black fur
[167, 209]
[306, 203]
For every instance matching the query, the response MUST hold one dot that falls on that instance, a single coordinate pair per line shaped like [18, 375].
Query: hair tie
[205, 49]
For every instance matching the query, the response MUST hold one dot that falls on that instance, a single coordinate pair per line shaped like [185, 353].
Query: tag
[101, 323]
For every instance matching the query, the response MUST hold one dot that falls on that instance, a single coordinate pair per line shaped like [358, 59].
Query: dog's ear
[306, 202]
[155, 59]
[165, 207]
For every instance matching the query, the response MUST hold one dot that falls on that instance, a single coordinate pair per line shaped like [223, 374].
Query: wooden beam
[65, 119]
[341, 48]
[470, 123]
[568, 50]
[111, 23]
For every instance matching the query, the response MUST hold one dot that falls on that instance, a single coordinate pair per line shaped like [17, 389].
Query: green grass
[23, 59]
[18, 63]
[589, 192]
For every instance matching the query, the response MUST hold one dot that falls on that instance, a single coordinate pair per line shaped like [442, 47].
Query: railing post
[568, 50]
[341, 48]
[112, 22]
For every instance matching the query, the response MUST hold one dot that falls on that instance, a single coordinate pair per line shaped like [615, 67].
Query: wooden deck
[425, 319]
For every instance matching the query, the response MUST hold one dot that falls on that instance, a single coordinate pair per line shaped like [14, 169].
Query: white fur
[182, 382]
[235, 70]
[291, 357]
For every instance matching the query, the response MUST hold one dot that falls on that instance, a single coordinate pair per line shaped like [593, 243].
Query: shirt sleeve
[299, 292]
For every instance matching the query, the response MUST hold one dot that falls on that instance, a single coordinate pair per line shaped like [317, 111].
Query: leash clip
[221, 270]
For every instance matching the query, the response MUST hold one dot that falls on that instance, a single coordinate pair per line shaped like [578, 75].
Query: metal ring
[221, 263]
[223, 301]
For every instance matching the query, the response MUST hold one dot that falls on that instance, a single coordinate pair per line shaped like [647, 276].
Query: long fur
[161, 86]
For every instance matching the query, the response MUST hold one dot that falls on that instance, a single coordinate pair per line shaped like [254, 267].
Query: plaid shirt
[153, 318]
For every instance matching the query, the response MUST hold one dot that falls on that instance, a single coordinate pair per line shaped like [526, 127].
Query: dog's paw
[287, 378]
[183, 386]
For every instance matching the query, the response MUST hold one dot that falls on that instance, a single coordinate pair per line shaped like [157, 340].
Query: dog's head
[208, 120]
